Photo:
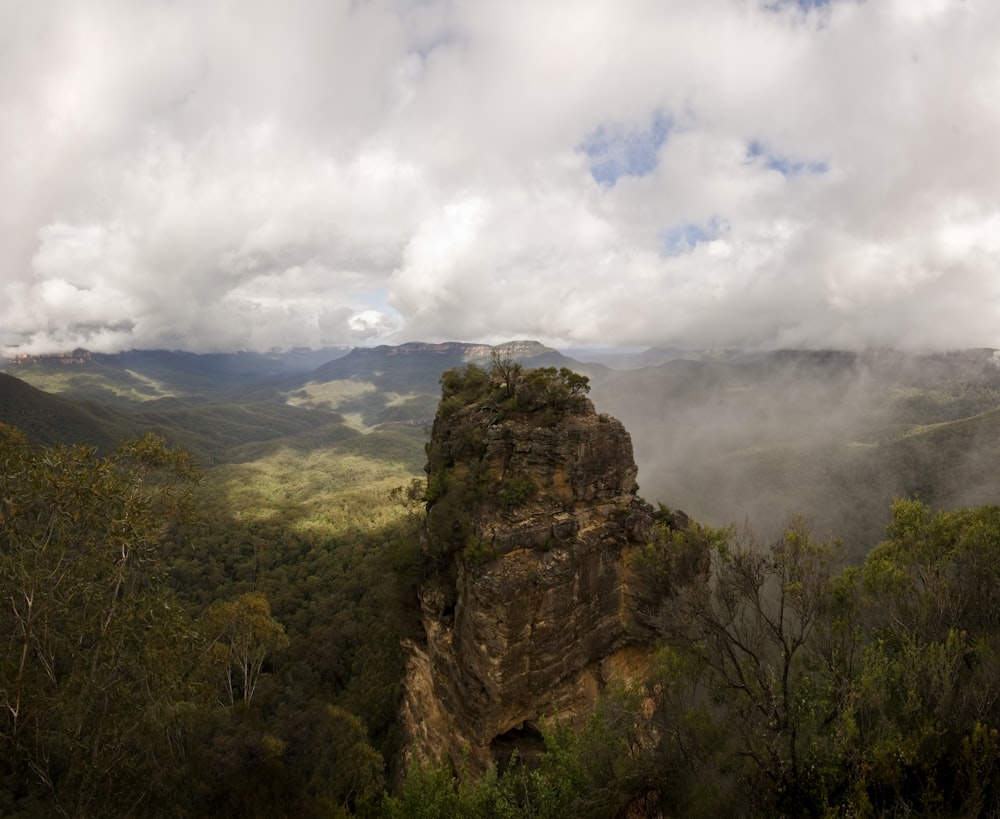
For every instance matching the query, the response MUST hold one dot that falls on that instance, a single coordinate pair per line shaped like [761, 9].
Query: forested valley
[205, 597]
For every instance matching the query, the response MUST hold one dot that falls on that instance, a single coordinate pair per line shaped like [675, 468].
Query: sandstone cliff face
[530, 603]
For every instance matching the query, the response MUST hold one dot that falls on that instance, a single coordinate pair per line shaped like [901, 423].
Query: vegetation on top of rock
[891, 700]
[508, 389]
[474, 403]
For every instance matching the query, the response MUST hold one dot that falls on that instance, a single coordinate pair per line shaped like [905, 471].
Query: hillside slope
[48, 419]
[729, 436]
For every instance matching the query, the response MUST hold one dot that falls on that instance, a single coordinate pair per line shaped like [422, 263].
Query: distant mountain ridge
[234, 363]
[419, 364]
[135, 377]
[727, 435]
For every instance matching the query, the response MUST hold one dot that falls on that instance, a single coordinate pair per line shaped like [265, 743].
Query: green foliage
[49, 420]
[675, 554]
[452, 495]
[516, 491]
[478, 552]
[313, 525]
[241, 634]
[331, 539]
[433, 792]
[94, 686]
[929, 686]
[251, 666]
[473, 400]
[436, 485]
[549, 387]
[507, 388]
[346, 774]
[467, 383]
[750, 636]
[787, 687]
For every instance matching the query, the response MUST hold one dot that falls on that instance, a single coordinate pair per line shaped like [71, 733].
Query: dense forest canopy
[227, 642]
[165, 659]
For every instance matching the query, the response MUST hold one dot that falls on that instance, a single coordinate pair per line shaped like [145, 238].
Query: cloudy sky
[250, 173]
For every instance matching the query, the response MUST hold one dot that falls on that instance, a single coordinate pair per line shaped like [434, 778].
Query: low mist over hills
[729, 436]
[833, 435]
[308, 519]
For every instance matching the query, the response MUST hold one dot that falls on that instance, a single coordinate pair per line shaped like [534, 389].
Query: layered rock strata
[529, 603]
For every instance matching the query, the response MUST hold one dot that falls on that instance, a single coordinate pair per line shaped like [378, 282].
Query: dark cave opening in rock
[526, 739]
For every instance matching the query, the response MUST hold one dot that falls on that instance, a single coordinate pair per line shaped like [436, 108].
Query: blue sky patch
[804, 5]
[814, 13]
[759, 152]
[684, 237]
[615, 151]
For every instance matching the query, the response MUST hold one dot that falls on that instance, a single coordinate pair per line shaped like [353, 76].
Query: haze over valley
[310, 527]
[434, 408]
[745, 438]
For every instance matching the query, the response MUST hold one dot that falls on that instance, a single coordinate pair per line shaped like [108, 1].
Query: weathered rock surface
[530, 603]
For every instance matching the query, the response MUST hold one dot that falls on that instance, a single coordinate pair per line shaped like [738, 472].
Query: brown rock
[529, 603]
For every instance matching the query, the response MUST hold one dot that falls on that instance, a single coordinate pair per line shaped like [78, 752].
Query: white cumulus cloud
[728, 172]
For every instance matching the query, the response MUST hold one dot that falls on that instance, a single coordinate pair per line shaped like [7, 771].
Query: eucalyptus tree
[94, 682]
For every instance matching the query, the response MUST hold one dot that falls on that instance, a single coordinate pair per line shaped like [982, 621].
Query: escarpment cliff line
[530, 598]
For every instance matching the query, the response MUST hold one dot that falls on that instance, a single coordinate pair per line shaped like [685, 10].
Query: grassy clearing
[356, 421]
[81, 384]
[156, 389]
[120, 388]
[396, 399]
[319, 489]
[331, 394]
